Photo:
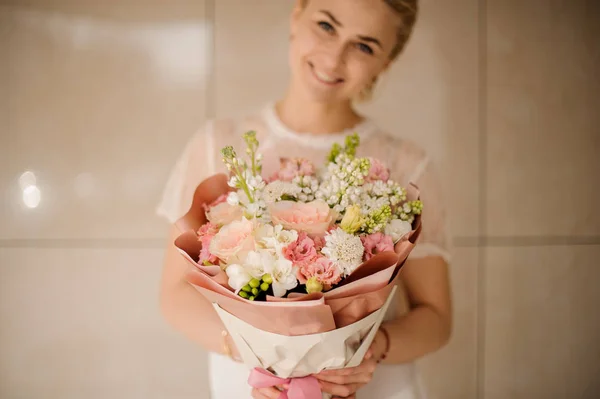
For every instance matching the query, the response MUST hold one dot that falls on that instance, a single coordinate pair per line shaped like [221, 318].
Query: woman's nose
[334, 56]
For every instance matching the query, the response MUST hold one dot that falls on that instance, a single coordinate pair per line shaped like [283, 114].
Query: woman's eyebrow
[330, 15]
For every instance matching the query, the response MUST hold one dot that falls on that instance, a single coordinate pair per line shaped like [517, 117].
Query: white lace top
[408, 163]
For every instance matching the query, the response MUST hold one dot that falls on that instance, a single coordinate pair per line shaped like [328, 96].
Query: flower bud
[243, 294]
[265, 286]
[254, 283]
[267, 278]
[254, 291]
[313, 285]
[247, 288]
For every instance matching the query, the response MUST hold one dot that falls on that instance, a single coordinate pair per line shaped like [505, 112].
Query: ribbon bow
[299, 388]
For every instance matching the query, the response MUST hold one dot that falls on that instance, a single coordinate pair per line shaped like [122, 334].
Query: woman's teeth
[325, 78]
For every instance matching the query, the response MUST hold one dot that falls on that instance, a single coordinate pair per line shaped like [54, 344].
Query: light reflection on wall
[31, 194]
[177, 51]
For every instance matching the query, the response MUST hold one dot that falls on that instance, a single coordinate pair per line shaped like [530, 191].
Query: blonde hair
[407, 10]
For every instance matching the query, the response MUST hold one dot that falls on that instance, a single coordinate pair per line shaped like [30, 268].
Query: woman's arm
[184, 308]
[428, 325]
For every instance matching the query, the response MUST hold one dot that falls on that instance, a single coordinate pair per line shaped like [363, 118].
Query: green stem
[244, 185]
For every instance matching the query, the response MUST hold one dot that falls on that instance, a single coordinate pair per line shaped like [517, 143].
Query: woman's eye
[365, 48]
[326, 26]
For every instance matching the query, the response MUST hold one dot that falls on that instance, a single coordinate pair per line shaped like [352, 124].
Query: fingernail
[286, 386]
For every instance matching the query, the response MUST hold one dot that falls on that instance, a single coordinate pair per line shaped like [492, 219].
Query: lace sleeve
[434, 239]
[196, 163]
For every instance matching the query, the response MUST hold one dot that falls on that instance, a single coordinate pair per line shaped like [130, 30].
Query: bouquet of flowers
[300, 265]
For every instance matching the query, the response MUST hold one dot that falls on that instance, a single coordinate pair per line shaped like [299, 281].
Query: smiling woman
[362, 37]
[338, 49]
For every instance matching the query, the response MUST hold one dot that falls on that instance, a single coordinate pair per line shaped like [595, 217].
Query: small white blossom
[238, 276]
[282, 272]
[233, 198]
[397, 229]
[254, 264]
[277, 189]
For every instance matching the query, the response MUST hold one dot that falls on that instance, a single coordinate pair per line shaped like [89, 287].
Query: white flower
[277, 189]
[285, 237]
[233, 198]
[346, 250]
[282, 272]
[255, 263]
[397, 229]
[275, 238]
[238, 276]
[265, 236]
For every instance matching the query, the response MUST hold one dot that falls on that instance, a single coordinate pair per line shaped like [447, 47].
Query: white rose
[397, 229]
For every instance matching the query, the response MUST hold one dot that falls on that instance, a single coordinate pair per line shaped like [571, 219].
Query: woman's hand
[344, 383]
[266, 393]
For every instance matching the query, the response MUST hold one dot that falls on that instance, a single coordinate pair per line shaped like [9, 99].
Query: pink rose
[313, 217]
[205, 236]
[223, 213]
[291, 168]
[376, 243]
[233, 241]
[378, 171]
[301, 251]
[323, 270]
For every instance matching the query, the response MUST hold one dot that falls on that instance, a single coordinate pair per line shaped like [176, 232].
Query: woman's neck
[312, 117]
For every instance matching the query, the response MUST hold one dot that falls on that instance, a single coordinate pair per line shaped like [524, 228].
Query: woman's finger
[343, 391]
[265, 393]
[360, 378]
[367, 367]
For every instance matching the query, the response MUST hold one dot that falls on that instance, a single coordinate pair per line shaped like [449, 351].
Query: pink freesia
[378, 171]
[323, 269]
[205, 236]
[376, 243]
[301, 251]
[291, 168]
[313, 217]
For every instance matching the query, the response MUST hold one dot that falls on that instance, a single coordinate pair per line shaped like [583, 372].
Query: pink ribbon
[299, 388]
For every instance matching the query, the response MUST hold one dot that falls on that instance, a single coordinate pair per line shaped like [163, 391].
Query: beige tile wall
[87, 84]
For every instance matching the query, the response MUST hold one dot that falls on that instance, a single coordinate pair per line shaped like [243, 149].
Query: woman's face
[339, 47]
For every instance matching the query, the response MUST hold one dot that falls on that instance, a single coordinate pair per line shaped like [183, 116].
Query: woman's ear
[295, 15]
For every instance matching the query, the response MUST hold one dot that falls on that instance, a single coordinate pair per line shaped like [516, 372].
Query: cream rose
[313, 217]
[233, 242]
[224, 213]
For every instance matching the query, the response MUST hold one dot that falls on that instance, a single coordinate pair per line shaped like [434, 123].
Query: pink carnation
[301, 251]
[291, 168]
[376, 243]
[323, 269]
[205, 236]
[320, 241]
[378, 171]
